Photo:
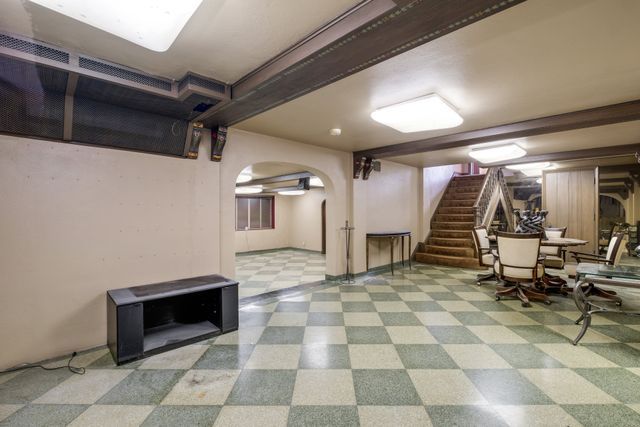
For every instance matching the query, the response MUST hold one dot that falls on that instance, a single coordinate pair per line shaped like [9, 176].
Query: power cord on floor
[75, 369]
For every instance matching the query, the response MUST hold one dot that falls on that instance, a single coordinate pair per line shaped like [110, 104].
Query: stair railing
[507, 200]
[493, 181]
[481, 205]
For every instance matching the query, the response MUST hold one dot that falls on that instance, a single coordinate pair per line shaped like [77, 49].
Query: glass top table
[587, 276]
[610, 271]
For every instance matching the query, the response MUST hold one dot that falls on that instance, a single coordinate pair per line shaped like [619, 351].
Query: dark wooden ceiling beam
[589, 153]
[600, 116]
[371, 32]
[276, 179]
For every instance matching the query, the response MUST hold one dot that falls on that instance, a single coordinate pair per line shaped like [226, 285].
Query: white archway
[328, 165]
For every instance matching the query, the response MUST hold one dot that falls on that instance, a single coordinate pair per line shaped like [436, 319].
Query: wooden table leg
[409, 250]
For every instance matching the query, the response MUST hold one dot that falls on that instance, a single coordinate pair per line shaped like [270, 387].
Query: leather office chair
[553, 257]
[612, 257]
[483, 251]
[519, 262]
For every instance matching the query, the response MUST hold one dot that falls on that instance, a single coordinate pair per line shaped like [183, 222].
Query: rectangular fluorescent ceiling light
[498, 153]
[154, 24]
[425, 113]
[525, 166]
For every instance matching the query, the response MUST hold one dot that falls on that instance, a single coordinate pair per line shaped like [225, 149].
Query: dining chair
[612, 257]
[553, 256]
[519, 262]
[483, 251]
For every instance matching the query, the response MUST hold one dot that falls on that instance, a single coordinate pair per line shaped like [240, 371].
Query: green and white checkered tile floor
[423, 347]
[278, 269]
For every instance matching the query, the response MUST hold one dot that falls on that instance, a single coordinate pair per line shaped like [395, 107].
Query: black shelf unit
[150, 319]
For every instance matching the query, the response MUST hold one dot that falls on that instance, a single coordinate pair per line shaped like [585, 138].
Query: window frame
[272, 224]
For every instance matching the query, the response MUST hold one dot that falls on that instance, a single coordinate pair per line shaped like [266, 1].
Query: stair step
[465, 188]
[458, 195]
[453, 210]
[447, 241]
[452, 225]
[450, 250]
[468, 178]
[452, 234]
[465, 262]
[458, 203]
[452, 217]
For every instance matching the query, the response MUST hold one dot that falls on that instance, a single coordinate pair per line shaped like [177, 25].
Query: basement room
[320, 213]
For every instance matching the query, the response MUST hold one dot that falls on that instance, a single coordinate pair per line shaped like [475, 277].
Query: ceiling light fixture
[243, 177]
[316, 182]
[416, 115]
[335, 132]
[291, 193]
[249, 190]
[498, 153]
[524, 166]
[154, 24]
[532, 172]
[539, 181]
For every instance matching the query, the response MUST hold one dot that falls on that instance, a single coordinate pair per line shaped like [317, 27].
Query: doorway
[280, 228]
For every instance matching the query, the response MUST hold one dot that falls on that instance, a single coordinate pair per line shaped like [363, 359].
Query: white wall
[76, 221]
[434, 183]
[305, 220]
[278, 237]
[387, 201]
[298, 225]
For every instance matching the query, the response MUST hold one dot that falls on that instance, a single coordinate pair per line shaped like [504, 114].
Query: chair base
[553, 284]
[523, 293]
[484, 277]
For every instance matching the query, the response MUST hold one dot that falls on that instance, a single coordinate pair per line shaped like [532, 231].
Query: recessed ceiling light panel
[421, 114]
[154, 24]
[291, 193]
[524, 166]
[243, 177]
[249, 190]
[497, 153]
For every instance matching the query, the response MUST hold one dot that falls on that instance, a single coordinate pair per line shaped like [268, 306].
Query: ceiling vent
[53, 93]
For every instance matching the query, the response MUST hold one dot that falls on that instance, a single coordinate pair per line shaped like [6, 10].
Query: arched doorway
[280, 226]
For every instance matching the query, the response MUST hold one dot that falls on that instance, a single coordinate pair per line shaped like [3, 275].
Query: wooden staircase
[450, 242]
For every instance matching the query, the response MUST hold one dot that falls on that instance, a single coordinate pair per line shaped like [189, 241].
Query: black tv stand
[150, 319]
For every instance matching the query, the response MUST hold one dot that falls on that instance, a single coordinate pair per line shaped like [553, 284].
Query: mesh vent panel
[33, 48]
[124, 73]
[130, 98]
[32, 99]
[113, 126]
[202, 82]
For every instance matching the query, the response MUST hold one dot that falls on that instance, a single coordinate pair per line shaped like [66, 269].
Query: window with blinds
[255, 213]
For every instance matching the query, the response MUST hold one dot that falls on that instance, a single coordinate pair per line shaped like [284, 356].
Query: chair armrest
[588, 257]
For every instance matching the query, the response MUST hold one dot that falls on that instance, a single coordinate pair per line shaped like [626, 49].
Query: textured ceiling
[224, 40]
[536, 59]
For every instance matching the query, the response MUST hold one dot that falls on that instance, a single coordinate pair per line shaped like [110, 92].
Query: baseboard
[285, 248]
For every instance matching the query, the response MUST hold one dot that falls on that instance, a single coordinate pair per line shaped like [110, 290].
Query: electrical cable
[74, 369]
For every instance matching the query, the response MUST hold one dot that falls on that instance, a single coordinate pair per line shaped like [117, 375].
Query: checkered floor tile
[278, 269]
[423, 347]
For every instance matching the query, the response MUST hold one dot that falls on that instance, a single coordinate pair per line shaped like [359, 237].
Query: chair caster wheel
[526, 304]
[547, 302]
[497, 298]
[478, 283]
[619, 304]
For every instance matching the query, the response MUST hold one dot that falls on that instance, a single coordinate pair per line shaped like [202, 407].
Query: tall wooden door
[571, 197]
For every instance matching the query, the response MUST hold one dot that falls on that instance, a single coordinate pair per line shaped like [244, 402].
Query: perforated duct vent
[201, 82]
[32, 99]
[33, 48]
[112, 105]
[124, 73]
